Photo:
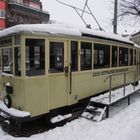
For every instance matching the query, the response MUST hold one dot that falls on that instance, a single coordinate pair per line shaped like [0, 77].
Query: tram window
[7, 60]
[86, 56]
[134, 57]
[123, 56]
[0, 62]
[56, 57]
[74, 55]
[131, 57]
[35, 57]
[17, 61]
[101, 56]
[6, 41]
[17, 39]
[114, 56]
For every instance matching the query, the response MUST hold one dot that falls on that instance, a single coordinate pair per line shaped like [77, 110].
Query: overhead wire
[83, 11]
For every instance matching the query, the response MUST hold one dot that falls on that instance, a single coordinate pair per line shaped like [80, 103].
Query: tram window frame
[101, 56]
[17, 59]
[86, 56]
[131, 55]
[123, 56]
[56, 57]
[7, 60]
[114, 56]
[35, 56]
[74, 55]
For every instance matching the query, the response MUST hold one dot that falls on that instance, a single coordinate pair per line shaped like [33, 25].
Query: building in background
[136, 38]
[13, 12]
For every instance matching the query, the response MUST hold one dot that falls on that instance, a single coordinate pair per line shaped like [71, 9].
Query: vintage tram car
[48, 67]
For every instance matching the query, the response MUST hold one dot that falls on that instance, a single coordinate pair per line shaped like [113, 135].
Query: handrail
[110, 81]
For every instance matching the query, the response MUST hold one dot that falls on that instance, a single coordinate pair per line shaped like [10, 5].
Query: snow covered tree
[130, 10]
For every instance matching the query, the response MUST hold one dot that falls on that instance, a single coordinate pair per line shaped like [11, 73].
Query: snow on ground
[123, 124]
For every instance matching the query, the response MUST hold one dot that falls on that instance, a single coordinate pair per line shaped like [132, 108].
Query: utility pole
[115, 16]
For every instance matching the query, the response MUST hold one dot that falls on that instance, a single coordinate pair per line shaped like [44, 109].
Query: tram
[47, 67]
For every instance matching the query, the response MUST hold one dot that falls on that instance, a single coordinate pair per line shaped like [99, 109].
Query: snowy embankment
[123, 124]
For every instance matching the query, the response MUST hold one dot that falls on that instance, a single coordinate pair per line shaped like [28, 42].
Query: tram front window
[35, 57]
[7, 60]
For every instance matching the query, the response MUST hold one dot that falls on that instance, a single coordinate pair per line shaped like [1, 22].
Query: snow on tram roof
[137, 46]
[61, 29]
[50, 29]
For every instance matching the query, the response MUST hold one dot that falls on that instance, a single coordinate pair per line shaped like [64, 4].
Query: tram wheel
[7, 101]
[6, 126]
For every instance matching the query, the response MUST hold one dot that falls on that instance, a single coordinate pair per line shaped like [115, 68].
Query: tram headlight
[7, 101]
[9, 88]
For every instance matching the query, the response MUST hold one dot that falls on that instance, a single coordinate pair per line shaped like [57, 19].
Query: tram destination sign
[109, 72]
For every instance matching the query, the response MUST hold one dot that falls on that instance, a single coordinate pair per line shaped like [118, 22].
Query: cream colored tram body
[47, 67]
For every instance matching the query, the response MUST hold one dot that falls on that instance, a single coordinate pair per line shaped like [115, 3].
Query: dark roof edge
[100, 37]
[136, 33]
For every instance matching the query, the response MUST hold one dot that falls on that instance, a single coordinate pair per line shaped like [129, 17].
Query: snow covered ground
[123, 124]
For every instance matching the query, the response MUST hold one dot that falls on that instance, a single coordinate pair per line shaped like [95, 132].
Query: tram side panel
[36, 95]
[58, 91]
[18, 95]
[85, 84]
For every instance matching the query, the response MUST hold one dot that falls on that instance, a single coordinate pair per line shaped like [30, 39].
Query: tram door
[58, 74]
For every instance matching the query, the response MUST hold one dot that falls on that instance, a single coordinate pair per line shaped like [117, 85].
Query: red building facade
[2, 14]
[15, 12]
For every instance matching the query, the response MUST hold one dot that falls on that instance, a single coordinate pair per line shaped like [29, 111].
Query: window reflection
[17, 61]
[86, 56]
[123, 56]
[7, 60]
[74, 55]
[114, 56]
[101, 56]
[35, 57]
[56, 57]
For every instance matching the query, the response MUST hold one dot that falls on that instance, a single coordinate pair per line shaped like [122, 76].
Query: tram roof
[61, 29]
[137, 46]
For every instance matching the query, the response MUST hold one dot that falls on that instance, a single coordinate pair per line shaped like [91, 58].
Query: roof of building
[63, 29]
[137, 33]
